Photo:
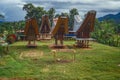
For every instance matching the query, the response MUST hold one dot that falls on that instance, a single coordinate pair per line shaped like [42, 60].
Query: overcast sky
[12, 9]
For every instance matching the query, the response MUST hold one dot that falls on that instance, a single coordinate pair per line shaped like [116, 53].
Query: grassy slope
[99, 63]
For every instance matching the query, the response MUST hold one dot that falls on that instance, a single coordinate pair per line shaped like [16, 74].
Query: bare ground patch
[31, 54]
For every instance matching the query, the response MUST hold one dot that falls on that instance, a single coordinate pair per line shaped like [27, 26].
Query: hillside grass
[100, 62]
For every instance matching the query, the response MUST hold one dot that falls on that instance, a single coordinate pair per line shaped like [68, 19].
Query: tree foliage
[33, 11]
[11, 27]
[105, 32]
[2, 16]
[72, 12]
[51, 13]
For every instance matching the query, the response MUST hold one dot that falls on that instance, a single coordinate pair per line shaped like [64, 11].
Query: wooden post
[74, 53]
[54, 54]
[56, 41]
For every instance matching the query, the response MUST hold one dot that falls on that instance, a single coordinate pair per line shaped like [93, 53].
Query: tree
[29, 9]
[38, 13]
[33, 11]
[51, 13]
[65, 14]
[1, 16]
[72, 12]
[57, 15]
[117, 29]
[105, 32]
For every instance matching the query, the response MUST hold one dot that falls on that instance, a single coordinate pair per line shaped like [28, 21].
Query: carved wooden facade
[45, 28]
[85, 29]
[31, 30]
[60, 29]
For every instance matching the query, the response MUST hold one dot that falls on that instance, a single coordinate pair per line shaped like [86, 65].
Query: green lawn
[100, 62]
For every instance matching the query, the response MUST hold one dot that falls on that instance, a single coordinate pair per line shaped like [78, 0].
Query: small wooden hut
[31, 31]
[59, 30]
[83, 33]
[45, 28]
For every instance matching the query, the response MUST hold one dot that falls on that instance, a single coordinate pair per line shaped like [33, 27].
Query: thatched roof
[45, 24]
[31, 22]
[60, 21]
[87, 26]
[88, 22]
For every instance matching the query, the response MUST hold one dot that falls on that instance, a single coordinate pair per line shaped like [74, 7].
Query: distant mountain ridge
[113, 17]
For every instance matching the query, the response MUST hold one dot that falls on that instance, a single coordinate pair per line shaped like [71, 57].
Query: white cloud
[10, 7]
[10, 2]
